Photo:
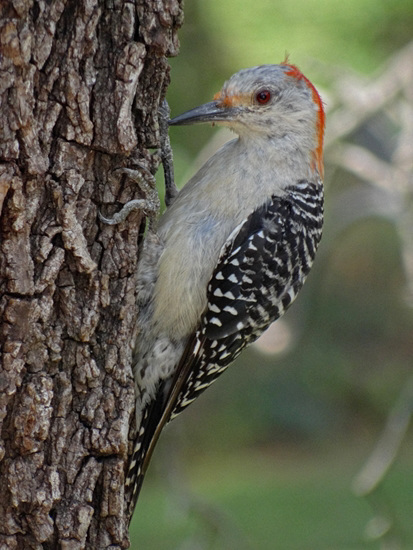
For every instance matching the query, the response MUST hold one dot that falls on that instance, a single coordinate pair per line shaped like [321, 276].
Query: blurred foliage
[268, 502]
[351, 346]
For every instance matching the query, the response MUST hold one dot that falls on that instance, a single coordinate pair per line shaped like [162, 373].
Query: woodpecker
[233, 249]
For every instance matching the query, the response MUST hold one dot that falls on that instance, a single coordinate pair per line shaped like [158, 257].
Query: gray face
[270, 101]
[261, 97]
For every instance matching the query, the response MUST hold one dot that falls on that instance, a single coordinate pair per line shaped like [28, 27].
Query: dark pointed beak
[209, 112]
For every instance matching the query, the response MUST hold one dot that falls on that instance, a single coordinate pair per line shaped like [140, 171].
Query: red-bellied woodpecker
[234, 248]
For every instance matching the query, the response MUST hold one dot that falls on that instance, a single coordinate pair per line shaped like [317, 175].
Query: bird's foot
[150, 205]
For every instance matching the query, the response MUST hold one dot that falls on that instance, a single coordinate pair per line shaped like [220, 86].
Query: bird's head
[276, 102]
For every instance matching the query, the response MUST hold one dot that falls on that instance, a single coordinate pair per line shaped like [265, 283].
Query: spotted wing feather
[261, 269]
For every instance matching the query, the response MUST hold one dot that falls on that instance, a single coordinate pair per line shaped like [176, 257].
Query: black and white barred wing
[262, 267]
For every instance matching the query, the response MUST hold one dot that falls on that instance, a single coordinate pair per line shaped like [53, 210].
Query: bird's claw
[145, 179]
[138, 204]
[146, 182]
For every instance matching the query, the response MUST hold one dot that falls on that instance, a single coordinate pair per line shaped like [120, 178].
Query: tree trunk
[80, 86]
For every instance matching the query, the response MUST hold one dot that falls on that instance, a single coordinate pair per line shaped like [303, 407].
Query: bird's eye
[263, 97]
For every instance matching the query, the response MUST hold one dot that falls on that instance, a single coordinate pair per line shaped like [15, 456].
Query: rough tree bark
[80, 86]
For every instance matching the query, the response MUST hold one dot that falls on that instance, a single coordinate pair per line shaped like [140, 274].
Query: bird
[231, 252]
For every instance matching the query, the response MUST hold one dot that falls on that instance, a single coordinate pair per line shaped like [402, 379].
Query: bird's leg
[166, 154]
[146, 180]
[150, 205]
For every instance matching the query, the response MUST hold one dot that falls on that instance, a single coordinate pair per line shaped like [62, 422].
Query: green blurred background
[267, 457]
